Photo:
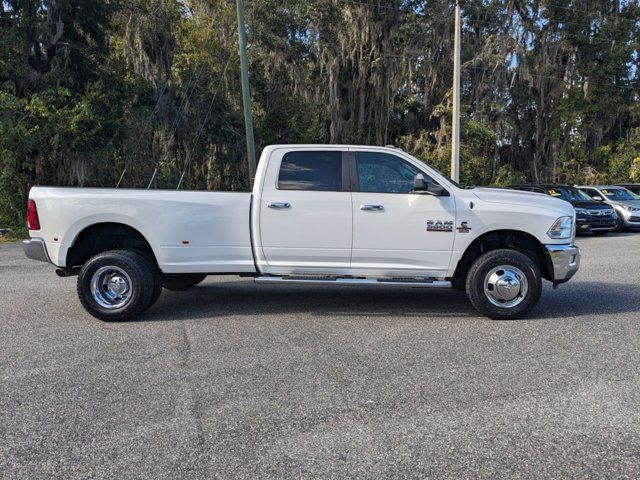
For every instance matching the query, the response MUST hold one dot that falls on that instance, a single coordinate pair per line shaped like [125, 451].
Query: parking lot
[237, 380]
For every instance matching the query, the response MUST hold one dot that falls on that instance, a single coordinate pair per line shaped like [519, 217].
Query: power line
[449, 14]
[420, 57]
[201, 126]
[546, 5]
[335, 45]
[557, 77]
[594, 37]
[191, 87]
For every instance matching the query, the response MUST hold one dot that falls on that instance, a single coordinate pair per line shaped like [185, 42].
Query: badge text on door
[439, 226]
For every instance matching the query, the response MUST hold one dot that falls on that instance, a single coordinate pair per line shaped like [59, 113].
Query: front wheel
[504, 284]
[619, 227]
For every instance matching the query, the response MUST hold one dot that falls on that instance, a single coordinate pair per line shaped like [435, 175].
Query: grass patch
[8, 235]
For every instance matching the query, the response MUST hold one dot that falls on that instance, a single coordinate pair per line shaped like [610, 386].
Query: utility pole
[455, 124]
[246, 95]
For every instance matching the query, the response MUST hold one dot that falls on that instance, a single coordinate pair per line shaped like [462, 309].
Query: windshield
[635, 189]
[569, 194]
[618, 194]
[468, 187]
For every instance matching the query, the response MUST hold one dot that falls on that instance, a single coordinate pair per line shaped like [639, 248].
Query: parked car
[632, 187]
[625, 203]
[318, 214]
[591, 215]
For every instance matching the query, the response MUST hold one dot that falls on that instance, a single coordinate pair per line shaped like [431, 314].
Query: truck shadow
[244, 298]
[587, 298]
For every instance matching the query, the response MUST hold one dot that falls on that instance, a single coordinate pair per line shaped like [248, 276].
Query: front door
[396, 232]
[305, 213]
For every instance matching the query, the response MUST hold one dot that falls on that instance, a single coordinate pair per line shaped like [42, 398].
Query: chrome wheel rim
[506, 286]
[111, 287]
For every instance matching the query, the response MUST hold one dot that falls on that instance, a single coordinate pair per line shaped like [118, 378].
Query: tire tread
[475, 283]
[142, 272]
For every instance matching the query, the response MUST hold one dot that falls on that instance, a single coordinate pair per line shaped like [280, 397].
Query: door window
[592, 192]
[303, 170]
[385, 173]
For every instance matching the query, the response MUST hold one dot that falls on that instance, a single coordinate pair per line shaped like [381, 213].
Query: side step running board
[428, 283]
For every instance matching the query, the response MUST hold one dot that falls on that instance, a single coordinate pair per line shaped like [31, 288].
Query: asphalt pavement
[236, 380]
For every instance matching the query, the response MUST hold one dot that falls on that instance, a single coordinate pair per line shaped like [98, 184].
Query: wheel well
[106, 236]
[512, 239]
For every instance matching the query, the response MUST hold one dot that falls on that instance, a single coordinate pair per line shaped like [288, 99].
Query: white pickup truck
[318, 215]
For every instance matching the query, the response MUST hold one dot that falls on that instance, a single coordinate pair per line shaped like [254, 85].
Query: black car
[632, 187]
[591, 216]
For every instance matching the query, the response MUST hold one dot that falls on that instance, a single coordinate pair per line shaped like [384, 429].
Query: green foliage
[476, 152]
[623, 158]
[101, 93]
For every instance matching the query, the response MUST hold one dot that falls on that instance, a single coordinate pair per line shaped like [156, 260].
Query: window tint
[385, 173]
[311, 171]
[568, 194]
[618, 194]
[592, 192]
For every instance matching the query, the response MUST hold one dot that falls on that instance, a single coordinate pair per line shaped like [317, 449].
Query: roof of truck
[328, 145]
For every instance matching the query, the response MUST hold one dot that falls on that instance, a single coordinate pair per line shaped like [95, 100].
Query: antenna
[153, 177]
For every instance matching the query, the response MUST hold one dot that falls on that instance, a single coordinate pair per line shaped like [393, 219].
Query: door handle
[378, 208]
[279, 205]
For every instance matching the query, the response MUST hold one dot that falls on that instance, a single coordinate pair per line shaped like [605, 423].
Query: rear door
[305, 212]
[397, 232]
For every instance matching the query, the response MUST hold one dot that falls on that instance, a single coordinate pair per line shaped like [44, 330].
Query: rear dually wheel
[117, 285]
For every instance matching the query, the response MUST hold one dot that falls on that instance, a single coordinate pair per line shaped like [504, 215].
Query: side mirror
[430, 188]
[420, 184]
[597, 198]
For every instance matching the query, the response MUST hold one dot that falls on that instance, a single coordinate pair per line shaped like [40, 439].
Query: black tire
[480, 271]
[619, 224]
[181, 282]
[601, 233]
[459, 284]
[140, 275]
[157, 282]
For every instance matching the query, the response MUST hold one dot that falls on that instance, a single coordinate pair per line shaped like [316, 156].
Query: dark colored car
[591, 216]
[632, 187]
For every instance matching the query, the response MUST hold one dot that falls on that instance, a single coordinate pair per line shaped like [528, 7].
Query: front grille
[600, 213]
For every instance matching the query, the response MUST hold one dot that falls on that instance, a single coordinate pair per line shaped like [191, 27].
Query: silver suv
[625, 203]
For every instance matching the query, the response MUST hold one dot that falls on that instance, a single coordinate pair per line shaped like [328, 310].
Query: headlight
[582, 211]
[630, 209]
[561, 228]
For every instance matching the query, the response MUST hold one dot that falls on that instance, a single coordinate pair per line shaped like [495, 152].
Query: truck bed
[187, 231]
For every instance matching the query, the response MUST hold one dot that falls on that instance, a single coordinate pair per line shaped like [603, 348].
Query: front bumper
[631, 219]
[35, 249]
[565, 260]
[595, 224]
